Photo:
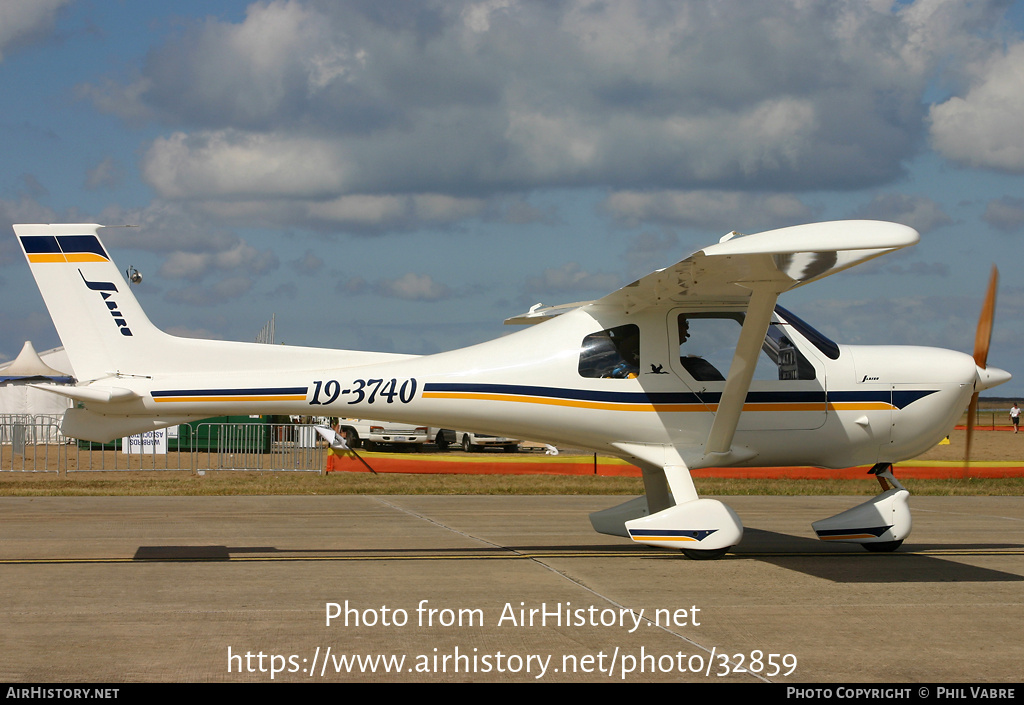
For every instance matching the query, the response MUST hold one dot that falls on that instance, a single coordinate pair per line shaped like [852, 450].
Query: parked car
[473, 442]
[369, 434]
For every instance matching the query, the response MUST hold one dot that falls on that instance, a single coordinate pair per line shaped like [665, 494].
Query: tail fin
[100, 322]
[106, 333]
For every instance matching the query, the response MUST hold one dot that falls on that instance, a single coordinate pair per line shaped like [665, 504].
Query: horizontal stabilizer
[90, 426]
[101, 395]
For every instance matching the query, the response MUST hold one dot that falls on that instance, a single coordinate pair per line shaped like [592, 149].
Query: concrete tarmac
[516, 589]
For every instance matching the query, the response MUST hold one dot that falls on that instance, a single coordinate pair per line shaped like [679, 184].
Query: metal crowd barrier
[227, 446]
[35, 444]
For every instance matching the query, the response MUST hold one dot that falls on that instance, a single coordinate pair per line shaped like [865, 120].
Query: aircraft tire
[883, 546]
[511, 449]
[440, 442]
[705, 554]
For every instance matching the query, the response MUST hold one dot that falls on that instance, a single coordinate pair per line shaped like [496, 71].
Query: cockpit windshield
[827, 347]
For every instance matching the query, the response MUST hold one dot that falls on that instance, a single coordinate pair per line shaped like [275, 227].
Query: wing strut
[741, 370]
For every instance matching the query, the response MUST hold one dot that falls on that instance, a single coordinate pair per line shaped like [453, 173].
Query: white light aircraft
[692, 366]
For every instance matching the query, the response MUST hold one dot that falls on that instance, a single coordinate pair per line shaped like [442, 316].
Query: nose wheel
[880, 524]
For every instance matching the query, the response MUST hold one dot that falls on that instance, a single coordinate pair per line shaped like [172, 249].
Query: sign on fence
[150, 443]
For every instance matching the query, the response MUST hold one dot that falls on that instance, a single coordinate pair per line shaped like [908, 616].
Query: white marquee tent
[20, 399]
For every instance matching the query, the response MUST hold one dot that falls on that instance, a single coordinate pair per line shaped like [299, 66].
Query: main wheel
[440, 441]
[883, 546]
[704, 554]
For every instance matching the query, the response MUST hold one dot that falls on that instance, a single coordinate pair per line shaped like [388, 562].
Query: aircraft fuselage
[870, 404]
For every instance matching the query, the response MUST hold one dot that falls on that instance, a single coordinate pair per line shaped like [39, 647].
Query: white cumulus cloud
[363, 116]
[983, 127]
[21, 21]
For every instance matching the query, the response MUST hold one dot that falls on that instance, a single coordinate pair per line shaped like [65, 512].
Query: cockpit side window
[707, 342]
[789, 361]
[612, 353]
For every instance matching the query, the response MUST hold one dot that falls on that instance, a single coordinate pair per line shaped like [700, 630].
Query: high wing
[789, 257]
[777, 260]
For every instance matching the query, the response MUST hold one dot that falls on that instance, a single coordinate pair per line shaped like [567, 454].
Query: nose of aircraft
[989, 377]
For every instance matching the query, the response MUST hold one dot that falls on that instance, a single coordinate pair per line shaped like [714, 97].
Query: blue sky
[403, 176]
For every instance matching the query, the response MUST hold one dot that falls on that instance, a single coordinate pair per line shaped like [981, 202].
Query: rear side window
[613, 353]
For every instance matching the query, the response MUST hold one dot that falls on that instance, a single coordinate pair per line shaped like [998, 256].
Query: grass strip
[228, 483]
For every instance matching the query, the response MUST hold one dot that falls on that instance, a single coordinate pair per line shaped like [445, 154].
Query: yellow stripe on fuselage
[860, 406]
[295, 397]
[674, 408]
[576, 403]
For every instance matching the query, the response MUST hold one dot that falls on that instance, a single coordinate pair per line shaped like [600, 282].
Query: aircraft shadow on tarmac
[838, 563]
[225, 553]
[849, 563]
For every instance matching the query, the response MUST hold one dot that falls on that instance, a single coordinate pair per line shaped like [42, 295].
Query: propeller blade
[972, 412]
[982, 340]
[983, 337]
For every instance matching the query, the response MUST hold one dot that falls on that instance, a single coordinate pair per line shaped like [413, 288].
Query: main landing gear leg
[702, 529]
[880, 524]
[671, 515]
